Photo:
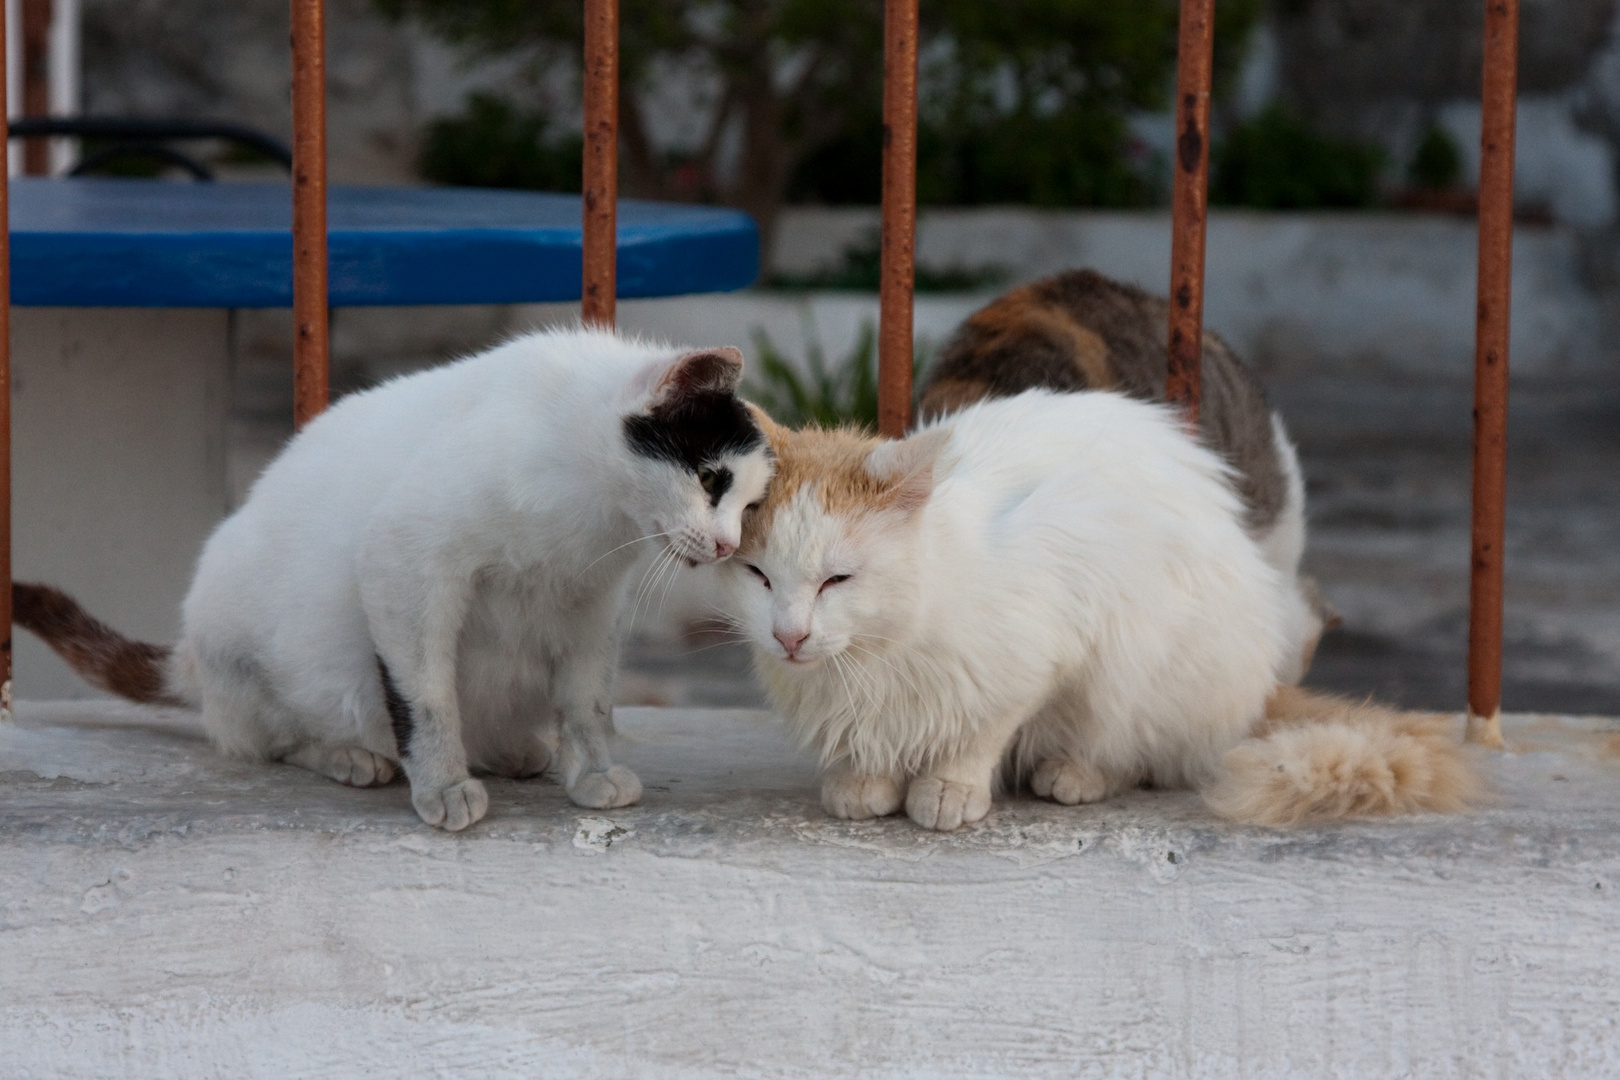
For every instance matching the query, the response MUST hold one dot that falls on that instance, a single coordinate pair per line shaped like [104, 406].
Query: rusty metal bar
[1189, 204]
[311, 363]
[600, 187]
[1491, 370]
[5, 401]
[897, 270]
[36, 80]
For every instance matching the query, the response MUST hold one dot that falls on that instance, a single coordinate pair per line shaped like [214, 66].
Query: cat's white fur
[1282, 545]
[472, 526]
[1058, 582]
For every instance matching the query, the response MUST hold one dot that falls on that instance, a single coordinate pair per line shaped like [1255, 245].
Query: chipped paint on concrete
[164, 912]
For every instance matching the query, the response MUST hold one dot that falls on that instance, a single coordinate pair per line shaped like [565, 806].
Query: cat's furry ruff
[431, 572]
[1061, 584]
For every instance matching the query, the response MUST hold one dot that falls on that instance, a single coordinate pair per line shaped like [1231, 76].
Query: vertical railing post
[36, 81]
[1491, 370]
[1189, 204]
[310, 346]
[898, 260]
[5, 399]
[600, 183]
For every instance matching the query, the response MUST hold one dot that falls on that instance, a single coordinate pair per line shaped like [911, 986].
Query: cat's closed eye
[834, 580]
[757, 572]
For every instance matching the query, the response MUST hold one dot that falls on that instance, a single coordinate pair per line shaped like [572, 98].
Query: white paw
[946, 804]
[856, 796]
[452, 808]
[617, 786]
[350, 765]
[1069, 782]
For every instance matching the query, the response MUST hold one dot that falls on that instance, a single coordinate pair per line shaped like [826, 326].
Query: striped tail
[101, 655]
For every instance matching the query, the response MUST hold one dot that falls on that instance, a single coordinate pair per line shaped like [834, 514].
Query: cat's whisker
[661, 570]
[621, 547]
[867, 681]
[899, 671]
[647, 576]
[854, 713]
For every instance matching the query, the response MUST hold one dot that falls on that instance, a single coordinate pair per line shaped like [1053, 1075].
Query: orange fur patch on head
[830, 460]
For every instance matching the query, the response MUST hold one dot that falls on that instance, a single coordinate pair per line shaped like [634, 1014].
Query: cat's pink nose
[722, 548]
[791, 641]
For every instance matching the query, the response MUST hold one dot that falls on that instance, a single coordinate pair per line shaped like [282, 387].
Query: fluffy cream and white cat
[1061, 584]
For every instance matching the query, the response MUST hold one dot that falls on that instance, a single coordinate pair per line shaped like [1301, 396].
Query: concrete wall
[1299, 295]
[118, 468]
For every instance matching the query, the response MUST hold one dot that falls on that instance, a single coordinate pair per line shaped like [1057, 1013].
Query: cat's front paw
[615, 787]
[946, 804]
[1069, 782]
[857, 796]
[452, 808]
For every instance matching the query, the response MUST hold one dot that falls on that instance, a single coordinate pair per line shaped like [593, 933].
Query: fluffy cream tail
[1316, 758]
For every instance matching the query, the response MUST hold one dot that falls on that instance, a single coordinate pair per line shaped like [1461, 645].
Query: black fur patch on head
[716, 482]
[399, 710]
[694, 431]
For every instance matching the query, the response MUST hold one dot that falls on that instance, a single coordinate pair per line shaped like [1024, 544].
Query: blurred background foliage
[1275, 161]
[1022, 101]
[821, 392]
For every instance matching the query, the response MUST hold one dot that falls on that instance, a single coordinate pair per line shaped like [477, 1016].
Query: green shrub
[823, 395]
[1437, 163]
[859, 270]
[494, 144]
[1075, 157]
[1278, 162]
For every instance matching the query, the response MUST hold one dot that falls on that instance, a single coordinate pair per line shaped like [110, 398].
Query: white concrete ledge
[165, 913]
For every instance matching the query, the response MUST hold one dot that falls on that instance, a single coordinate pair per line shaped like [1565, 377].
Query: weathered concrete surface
[165, 913]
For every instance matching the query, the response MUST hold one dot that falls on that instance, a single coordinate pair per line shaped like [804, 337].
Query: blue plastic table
[123, 344]
[149, 243]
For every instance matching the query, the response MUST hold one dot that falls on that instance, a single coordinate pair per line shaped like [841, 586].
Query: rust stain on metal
[5, 403]
[36, 80]
[1191, 147]
[1491, 370]
[1189, 204]
[600, 182]
[897, 270]
[311, 363]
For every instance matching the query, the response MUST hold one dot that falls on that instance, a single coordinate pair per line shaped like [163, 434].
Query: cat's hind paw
[606, 790]
[452, 808]
[946, 804]
[350, 765]
[857, 796]
[1069, 782]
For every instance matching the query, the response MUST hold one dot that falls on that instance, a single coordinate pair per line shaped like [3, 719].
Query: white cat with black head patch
[431, 573]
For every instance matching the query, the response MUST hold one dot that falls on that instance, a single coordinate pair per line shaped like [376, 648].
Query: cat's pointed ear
[702, 371]
[907, 466]
[774, 433]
